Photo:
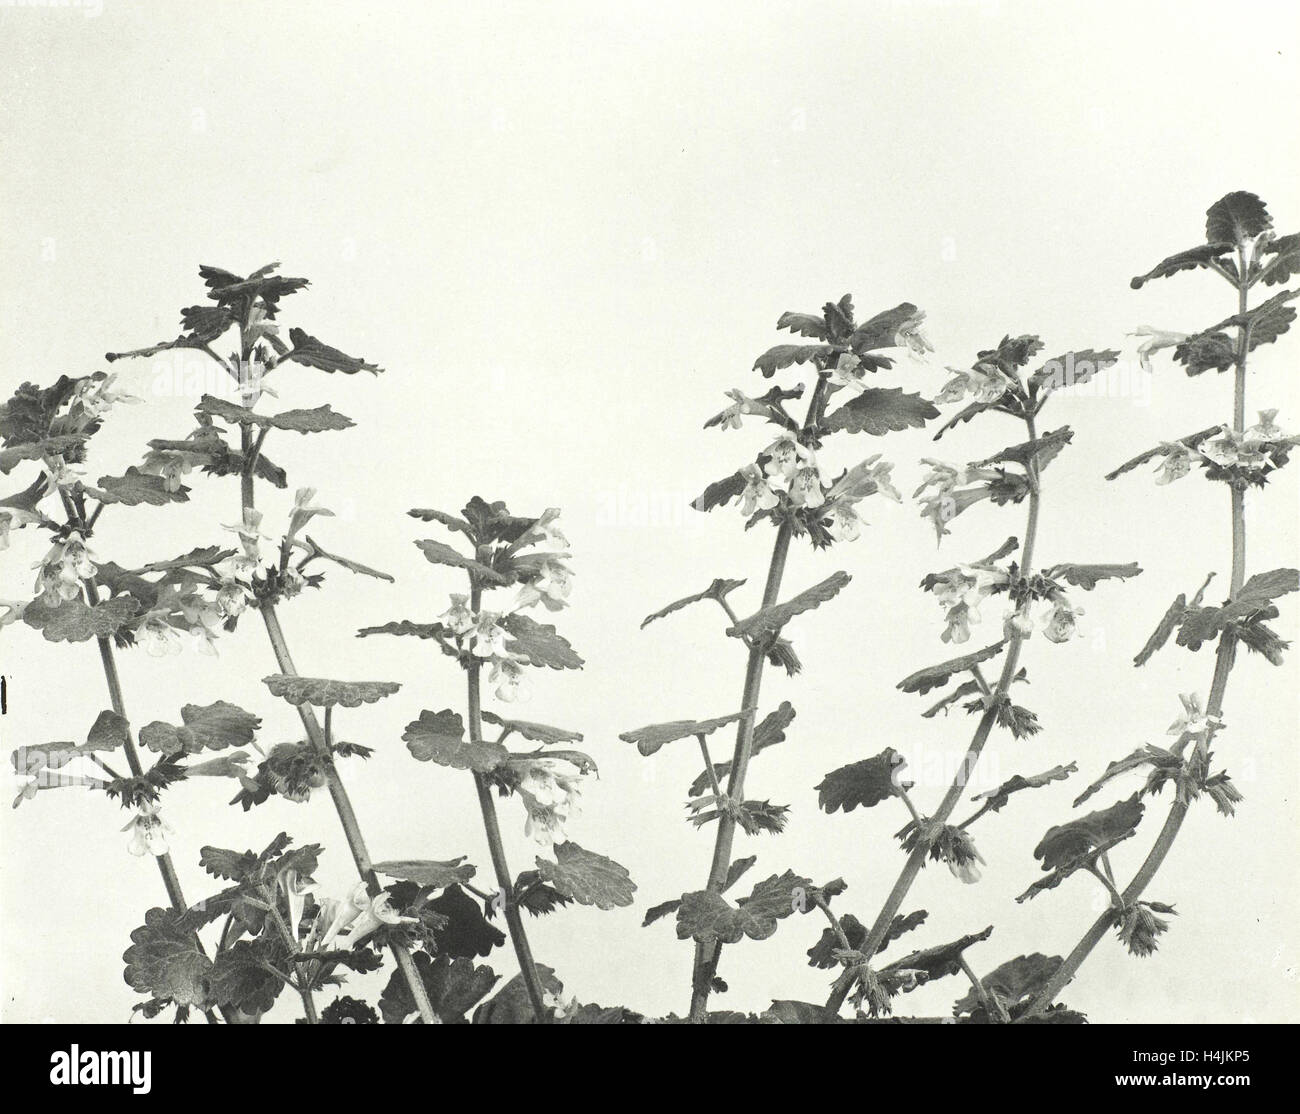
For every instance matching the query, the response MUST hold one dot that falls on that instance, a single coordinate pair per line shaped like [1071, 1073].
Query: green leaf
[313, 353]
[1070, 370]
[74, 621]
[440, 737]
[785, 355]
[440, 553]
[1200, 256]
[539, 644]
[1191, 441]
[718, 590]
[658, 912]
[211, 727]
[720, 492]
[239, 977]
[1014, 983]
[1044, 449]
[768, 733]
[804, 325]
[317, 551]
[319, 420]
[995, 799]
[534, 732]
[1236, 217]
[938, 961]
[1160, 635]
[434, 873]
[454, 987]
[1088, 576]
[1200, 624]
[650, 739]
[865, 783]
[406, 627]
[323, 693]
[167, 961]
[706, 916]
[881, 331]
[1066, 842]
[136, 487]
[932, 676]
[511, 1004]
[880, 410]
[109, 732]
[586, 877]
[769, 620]
[1286, 261]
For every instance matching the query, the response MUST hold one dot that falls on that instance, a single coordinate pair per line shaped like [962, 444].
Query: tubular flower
[984, 383]
[552, 796]
[63, 569]
[304, 510]
[1156, 339]
[508, 677]
[377, 913]
[786, 456]
[758, 493]
[1059, 623]
[172, 465]
[1177, 462]
[848, 373]
[909, 336]
[1194, 722]
[296, 888]
[488, 637]
[148, 832]
[458, 618]
[341, 914]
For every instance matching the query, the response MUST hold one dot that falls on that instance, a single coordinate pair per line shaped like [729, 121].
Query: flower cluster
[960, 592]
[945, 491]
[64, 567]
[1227, 454]
[552, 794]
[786, 475]
[339, 923]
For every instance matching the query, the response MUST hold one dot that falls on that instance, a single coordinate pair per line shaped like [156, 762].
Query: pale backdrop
[565, 230]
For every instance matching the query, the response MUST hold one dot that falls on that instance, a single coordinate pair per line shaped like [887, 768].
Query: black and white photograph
[650, 515]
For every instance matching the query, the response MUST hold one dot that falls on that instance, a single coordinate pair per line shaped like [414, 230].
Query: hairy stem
[1224, 659]
[338, 792]
[496, 847]
[706, 955]
[916, 858]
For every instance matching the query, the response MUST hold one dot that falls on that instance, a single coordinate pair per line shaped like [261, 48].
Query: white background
[565, 230]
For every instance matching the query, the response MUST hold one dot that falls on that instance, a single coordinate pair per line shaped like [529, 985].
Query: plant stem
[1224, 659]
[993, 1007]
[338, 792]
[496, 847]
[706, 956]
[916, 858]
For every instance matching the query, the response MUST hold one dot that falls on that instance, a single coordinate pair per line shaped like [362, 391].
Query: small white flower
[148, 832]
[1176, 464]
[508, 677]
[848, 373]
[488, 638]
[1264, 430]
[1194, 721]
[786, 456]
[758, 493]
[552, 796]
[909, 335]
[377, 913]
[304, 510]
[1059, 624]
[458, 618]
[1156, 339]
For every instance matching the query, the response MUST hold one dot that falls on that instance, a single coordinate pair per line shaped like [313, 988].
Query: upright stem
[916, 858]
[338, 792]
[1224, 659]
[707, 955]
[492, 828]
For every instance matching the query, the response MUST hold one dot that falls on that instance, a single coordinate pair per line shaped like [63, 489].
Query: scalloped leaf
[534, 732]
[719, 493]
[324, 693]
[786, 355]
[440, 737]
[434, 873]
[75, 621]
[1235, 217]
[706, 916]
[135, 487]
[311, 352]
[1200, 256]
[938, 961]
[652, 738]
[539, 643]
[586, 877]
[769, 732]
[1087, 577]
[864, 783]
[1014, 983]
[214, 726]
[166, 960]
[880, 410]
[769, 620]
[1065, 842]
[1043, 449]
[932, 676]
[405, 627]
[321, 419]
[440, 553]
[994, 800]
[1146, 755]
